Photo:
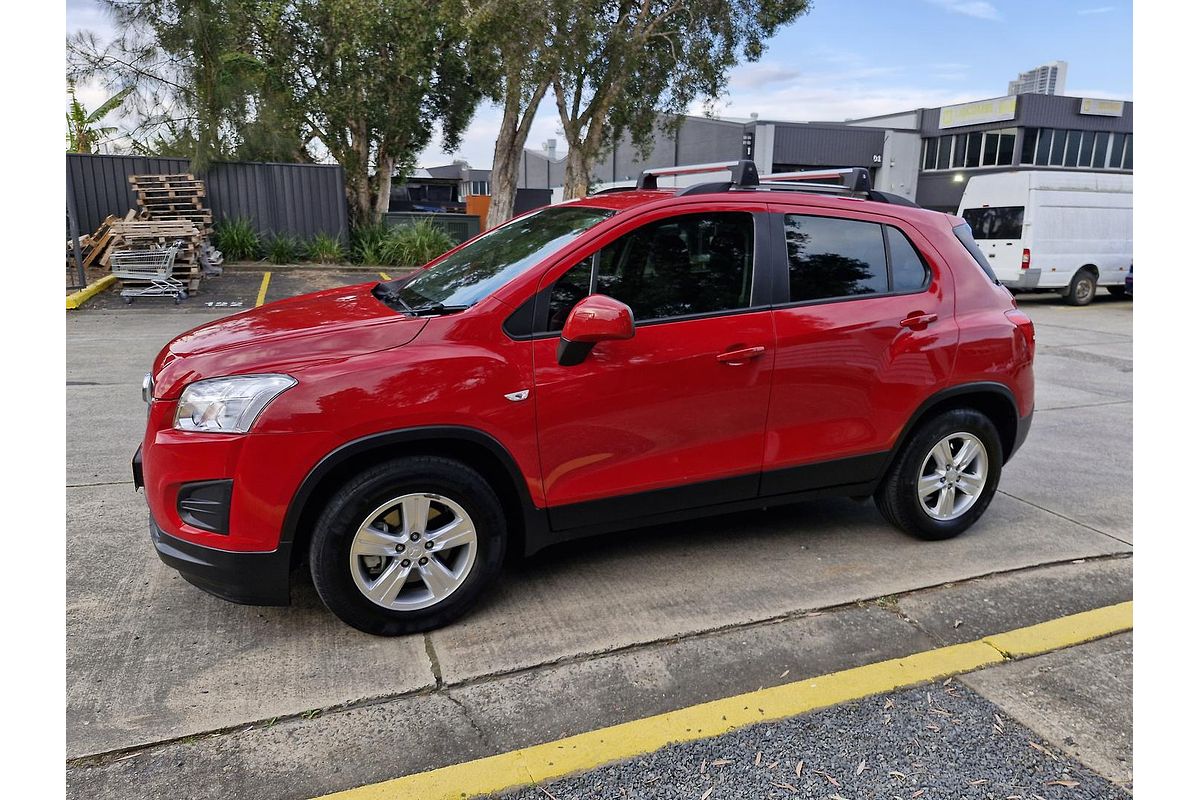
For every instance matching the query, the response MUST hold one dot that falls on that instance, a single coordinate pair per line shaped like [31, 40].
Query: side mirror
[596, 318]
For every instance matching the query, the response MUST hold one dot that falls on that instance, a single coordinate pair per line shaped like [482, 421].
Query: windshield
[997, 222]
[472, 273]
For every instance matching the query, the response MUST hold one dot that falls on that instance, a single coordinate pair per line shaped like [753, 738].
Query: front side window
[674, 267]
[830, 258]
[472, 273]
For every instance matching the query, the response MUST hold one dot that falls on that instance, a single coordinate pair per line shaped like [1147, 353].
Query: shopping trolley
[153, 266]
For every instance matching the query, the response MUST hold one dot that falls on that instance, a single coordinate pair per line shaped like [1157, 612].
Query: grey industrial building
[925, 154]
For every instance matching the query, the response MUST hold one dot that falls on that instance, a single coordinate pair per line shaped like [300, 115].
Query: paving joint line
[110, 756]
[1065, 517]
[98, 483]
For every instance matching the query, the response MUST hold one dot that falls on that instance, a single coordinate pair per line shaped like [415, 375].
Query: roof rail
[744, 173]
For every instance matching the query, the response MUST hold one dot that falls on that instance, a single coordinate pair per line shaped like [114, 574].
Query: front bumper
[1028, 280]
[257, 579]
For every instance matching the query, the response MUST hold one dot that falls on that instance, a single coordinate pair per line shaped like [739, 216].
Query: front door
[674, 417]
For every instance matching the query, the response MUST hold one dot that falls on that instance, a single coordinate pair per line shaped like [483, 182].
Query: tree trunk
[383, 187]
[510, 143]
[360, 196]
[577, 176]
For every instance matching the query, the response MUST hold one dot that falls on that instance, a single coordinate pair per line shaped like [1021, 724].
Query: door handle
[736, 357]
[918, 321]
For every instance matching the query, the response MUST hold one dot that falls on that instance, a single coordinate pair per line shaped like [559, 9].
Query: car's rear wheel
[1082, 289]
[407, 545]
[944, 477]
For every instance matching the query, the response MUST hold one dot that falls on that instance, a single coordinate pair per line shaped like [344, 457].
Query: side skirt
[848, 477]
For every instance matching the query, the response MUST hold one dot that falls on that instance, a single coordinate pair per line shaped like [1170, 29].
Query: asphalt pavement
[170, 690]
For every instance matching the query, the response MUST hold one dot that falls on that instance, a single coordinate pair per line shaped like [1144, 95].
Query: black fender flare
[977, 387]
[534, 519]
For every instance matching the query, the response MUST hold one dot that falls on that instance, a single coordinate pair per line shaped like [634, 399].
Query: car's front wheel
[407, 545]
[944, 477]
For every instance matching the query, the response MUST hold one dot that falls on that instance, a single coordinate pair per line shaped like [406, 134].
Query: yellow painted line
[385, 276]
[262, 289]
[76, 299]
[589, 750]
[1063, 632]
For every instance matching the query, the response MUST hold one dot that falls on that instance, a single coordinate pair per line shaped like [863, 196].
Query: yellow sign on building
[1001, 108]
[1101, 108]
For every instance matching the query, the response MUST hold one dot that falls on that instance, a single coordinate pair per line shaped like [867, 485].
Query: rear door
[999, 231]
[674, 417]
[865, 331]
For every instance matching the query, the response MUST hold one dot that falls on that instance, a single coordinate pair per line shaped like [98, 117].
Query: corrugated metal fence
[297, 199]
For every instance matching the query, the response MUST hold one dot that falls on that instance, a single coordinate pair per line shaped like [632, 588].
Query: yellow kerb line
[385, 276]
[586, 751]
[262, 289]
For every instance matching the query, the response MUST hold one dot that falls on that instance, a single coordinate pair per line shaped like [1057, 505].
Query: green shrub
[237, 240]
[367, 244]
[416, 244]
[283, 249]
[326, 249]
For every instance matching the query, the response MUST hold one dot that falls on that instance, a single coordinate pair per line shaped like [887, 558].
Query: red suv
[631, 358]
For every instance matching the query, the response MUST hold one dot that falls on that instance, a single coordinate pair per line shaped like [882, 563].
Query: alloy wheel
[413, 551]
[953, 476]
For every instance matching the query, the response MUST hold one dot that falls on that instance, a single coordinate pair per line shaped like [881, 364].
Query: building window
[480, 187]
[1127, 163]
[1100, 154]
[944, 145]
[1029, 146]
[1071, 156]
[1118, 149]
[960, 151]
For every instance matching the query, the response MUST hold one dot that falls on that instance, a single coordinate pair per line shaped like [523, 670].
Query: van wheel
[1082, 289]
[407, 545]
[944, 477]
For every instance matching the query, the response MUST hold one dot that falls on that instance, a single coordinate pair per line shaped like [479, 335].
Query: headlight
[228, 405]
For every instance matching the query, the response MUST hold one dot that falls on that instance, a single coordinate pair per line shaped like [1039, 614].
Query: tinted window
[690, 264]
[1029, 146]
[1128, 162]
[476, 270]
[1071, 157]
[943, 159]
[1043, 146]
[1118, 148]
[960, 150]
[830, 258]
[963, 234]
[998, 222]
[573, 286]
[974, 142]
[1008, 141]
[1057, 147]
[1101, 151]
[909, 272]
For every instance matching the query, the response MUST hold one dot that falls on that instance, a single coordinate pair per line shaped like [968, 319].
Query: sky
[858, 58]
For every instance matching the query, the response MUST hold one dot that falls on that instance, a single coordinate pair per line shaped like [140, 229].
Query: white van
[1066, 231]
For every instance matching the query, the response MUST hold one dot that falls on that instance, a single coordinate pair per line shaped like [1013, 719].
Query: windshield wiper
[437, 309]
[391, 298]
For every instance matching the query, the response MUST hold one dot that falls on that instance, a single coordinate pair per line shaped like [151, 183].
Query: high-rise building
[1048, 78]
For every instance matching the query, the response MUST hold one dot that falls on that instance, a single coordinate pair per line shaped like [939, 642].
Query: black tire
[1116, 291]
[896, 496]
[348, 508]
[1082, 290]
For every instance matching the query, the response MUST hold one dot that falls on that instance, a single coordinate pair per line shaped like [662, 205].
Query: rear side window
[909, 273]
[830, 258]
[963, 232]
[997, 222]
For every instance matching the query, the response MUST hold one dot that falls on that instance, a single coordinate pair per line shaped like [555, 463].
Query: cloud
[980, 9]
[1100, 10]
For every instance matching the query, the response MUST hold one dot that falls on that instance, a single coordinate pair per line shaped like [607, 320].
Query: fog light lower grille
[205, 505]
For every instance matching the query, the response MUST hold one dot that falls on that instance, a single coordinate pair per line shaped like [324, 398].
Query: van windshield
[996, 222]
[473, 272]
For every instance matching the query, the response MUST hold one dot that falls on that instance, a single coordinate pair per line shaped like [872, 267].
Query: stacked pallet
[144, 234]
[173, 197]
[94, 247]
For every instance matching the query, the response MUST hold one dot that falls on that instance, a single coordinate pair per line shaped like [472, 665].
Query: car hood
[330, 325]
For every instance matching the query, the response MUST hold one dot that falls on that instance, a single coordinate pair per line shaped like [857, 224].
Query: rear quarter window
[963, 234]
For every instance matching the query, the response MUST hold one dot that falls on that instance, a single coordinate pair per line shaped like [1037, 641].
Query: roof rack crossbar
[743, 172]
[853, 179]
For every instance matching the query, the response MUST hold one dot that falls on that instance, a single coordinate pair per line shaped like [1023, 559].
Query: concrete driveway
[154, 665]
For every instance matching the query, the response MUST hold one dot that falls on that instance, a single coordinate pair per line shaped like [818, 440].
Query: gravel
[936, 741]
